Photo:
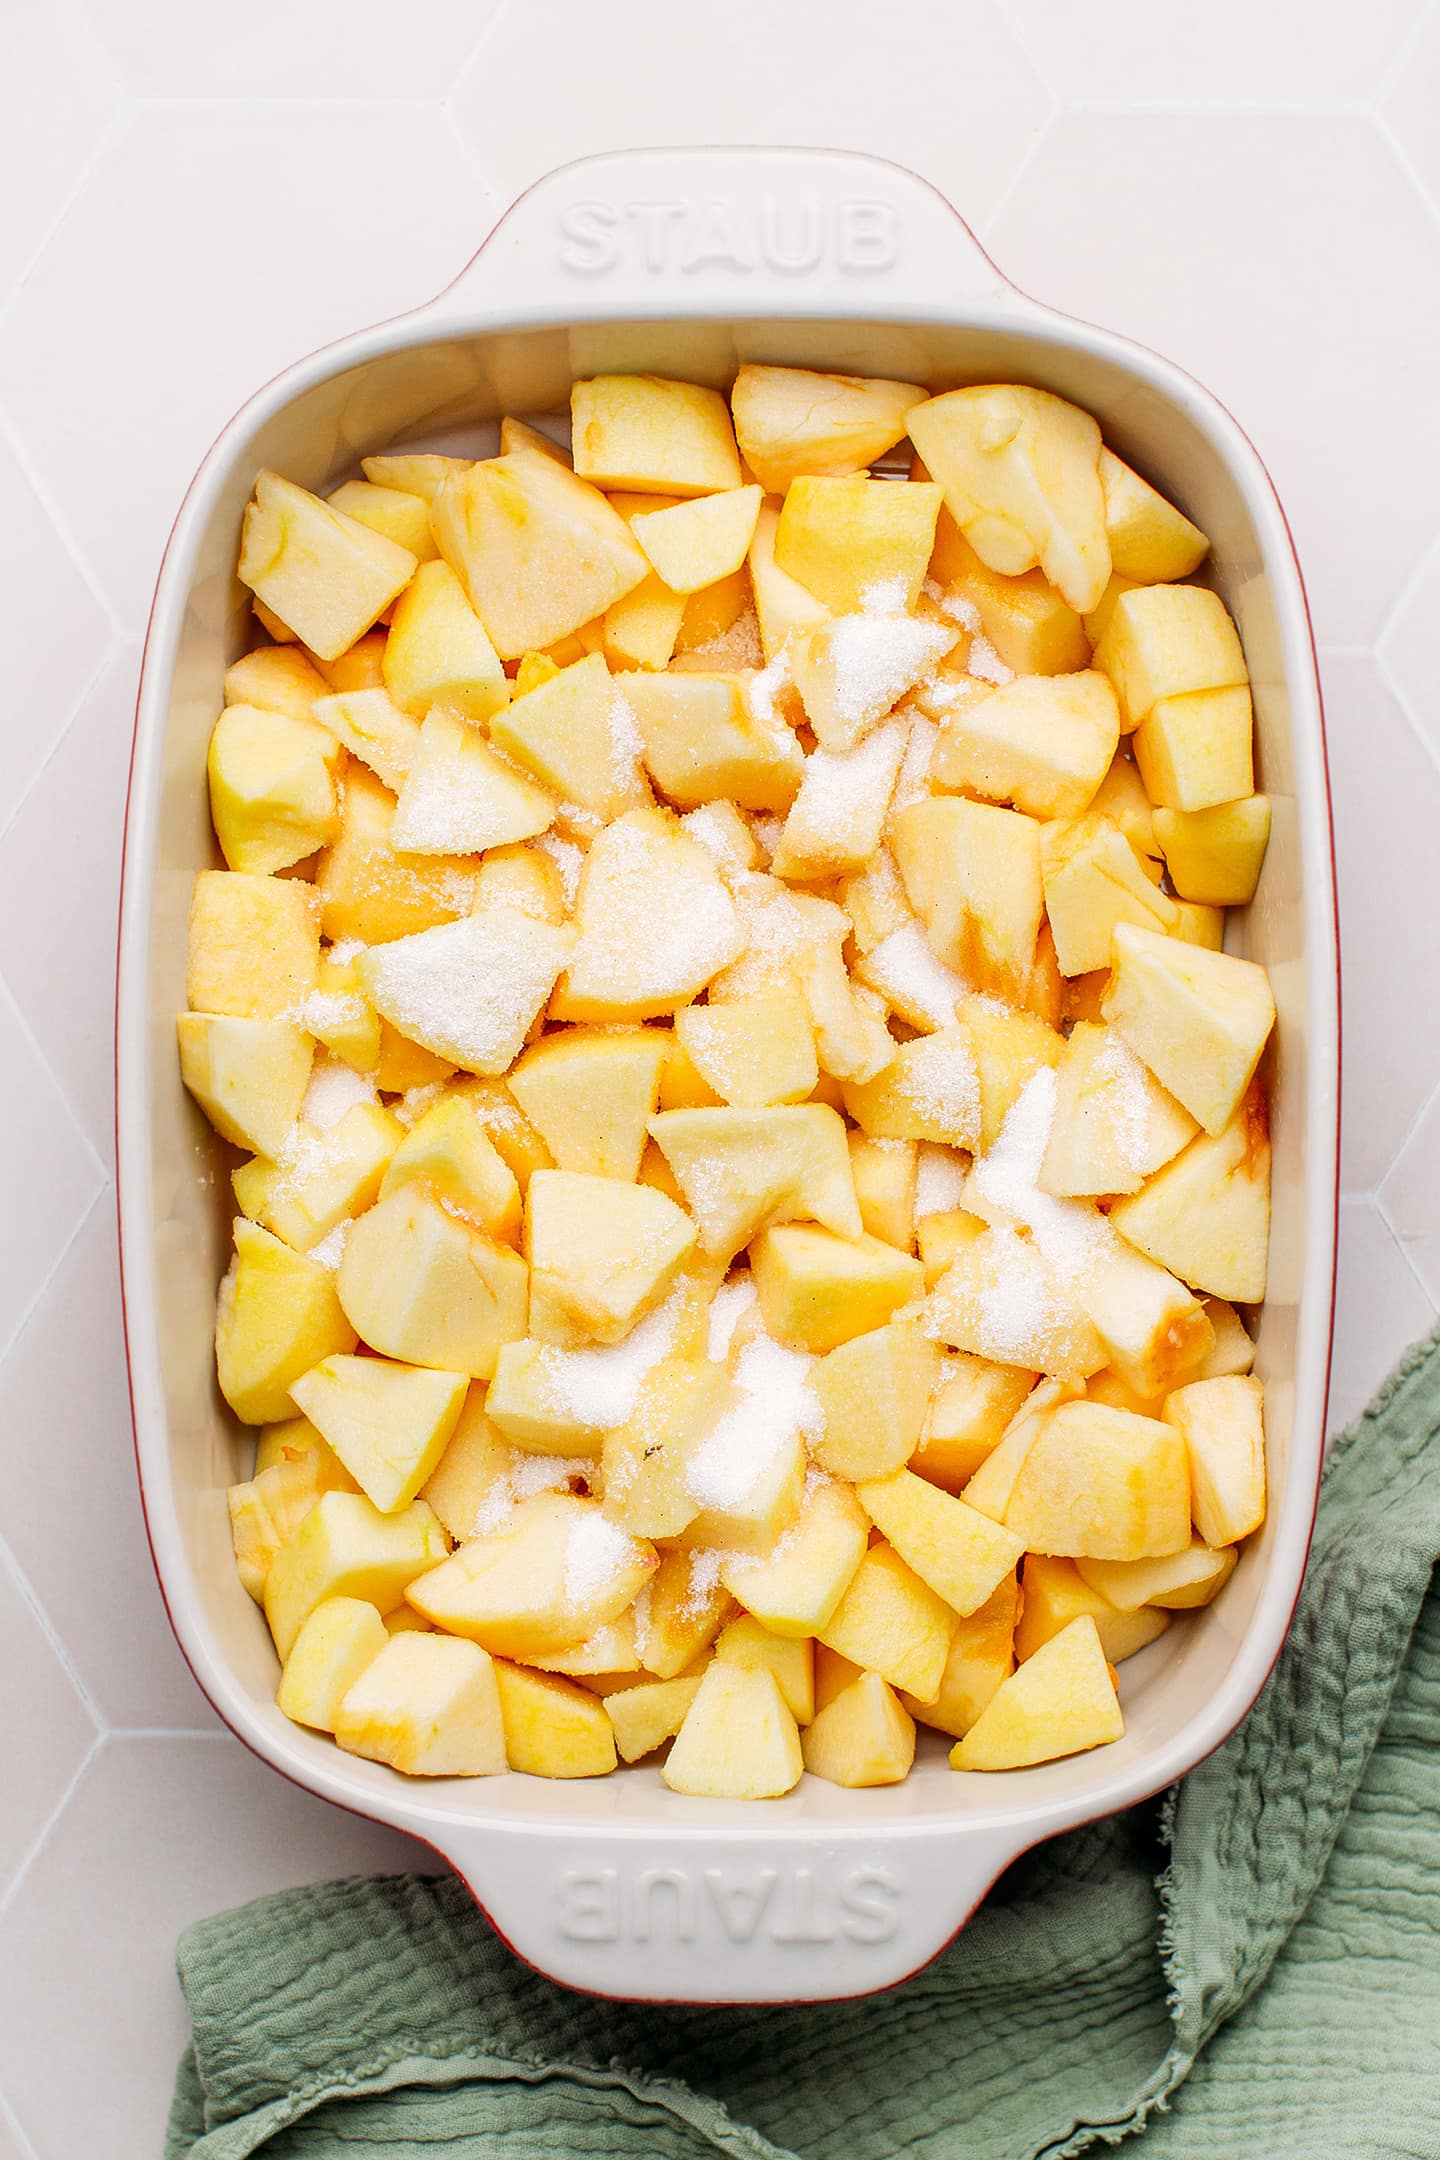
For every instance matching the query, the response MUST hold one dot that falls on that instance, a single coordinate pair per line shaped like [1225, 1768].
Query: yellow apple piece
[890, 1622]
[646, 1460]
[646, 1716]
[680, 1612]
[1199, 925]
[790, 1658]
[790, 421]
[448, 1150]
[843, 538]
[320, 1176]
[374, 729]
[342, 1636]
[360, 667]
[1150, 540]
[248, 1076]
[340, 1016]
[276, 678]
[1041, 742]
[414, 472]
[471, 1482]
[747, 1468]
[838, 815]
[1113, 1124]
[459, 798]
[703, 740]
[694, 544]
[1032, 630]
[429, 1706]
[553, 1727]
[739, 1740]
[715, 610]
[793, 1589]
[369, 893]
[1094, 880]
[519, 435]
[818, 1290]
[1153, 1330]
[559, 1570]
[852, 1041]
[653, 435]
[506, 1126]
[1061, 1701]
[590, 1094]
[1009, 1049]
[324, 574]
[641, 628]
[1000, 1300]
[1101, 1484]
[1199, 1020]
[268, 1509]
[885, 1173]
[972, 872]
[277, 1314]
[395, 512]
[970, 1408]
[272, 788]
[942, 1238]
[852, 671]
[980, 1656]
[468, 991]
[1215, 856]
[420, 1285]
[783, 606]
[1232, 1350]
[1196, 749]
[388, 1423]
[1020, 470]
[754, 1053]
[346, 1548]
[1178, 1582]
[604, 1250]
[863, 1736]
[1122, 798]
[1055, 1592]
[254, 945]
[576, 733]
[1222, 1427]
[1164, 641]
[962, 1554]
[538, 551]
[873, 1391]
[654, 919]
[742, 1169]
[290, 1440]
[531, 1404]
[929, 1091]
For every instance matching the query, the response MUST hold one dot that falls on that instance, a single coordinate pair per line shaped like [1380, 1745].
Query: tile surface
[196, 196]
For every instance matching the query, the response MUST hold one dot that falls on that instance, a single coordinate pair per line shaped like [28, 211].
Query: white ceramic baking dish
[686, 263]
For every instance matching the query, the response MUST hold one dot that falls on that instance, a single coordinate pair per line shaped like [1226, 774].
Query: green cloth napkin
[1251, 1967]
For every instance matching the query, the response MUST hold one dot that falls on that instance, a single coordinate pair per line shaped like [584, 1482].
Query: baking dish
[686, 263]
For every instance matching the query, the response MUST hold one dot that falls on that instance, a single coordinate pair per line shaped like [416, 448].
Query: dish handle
[738, 1918]
[724, 233]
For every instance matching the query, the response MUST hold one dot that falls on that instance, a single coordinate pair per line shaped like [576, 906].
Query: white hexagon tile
[196, 196]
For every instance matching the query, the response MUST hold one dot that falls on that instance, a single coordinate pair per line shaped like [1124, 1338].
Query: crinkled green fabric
[1252, 1968]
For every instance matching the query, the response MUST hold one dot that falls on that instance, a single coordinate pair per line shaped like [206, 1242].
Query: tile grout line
[46, 1830]
[9, 1561]
[10, 2121]
[1390, 77]
[78, 559]
[43, 1290]
[1012, 188]
[107, 658]
[109, 134]
[62, 1093]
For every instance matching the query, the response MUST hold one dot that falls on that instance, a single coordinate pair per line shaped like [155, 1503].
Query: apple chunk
[790, 421]
[557, 1573]
[1199, 1019]
[605, 1251]
[277, 1314]
[469, 990]
[324, 574]
[1061, 1700]
[655, 923]
[423, 1286]
[388, 1423]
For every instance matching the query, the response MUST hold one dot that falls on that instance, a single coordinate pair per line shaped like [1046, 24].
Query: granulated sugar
[940, 1175]
[654, 916]
[1126, 1099]
[775, 1406]
[985, 663]
[1017, 1305]
[460, 797]
[323, 1011]
[942, 1081]
[568, 860]
[1068, 1234]
[330, 1250]
[600, 1388]
[736, 648]
[335, 1087]
[344, 950]
[596, 1551]
[728, 1308]
[627, 746]
[527, 1476]
[876, 657]
[839, 813]
[913, 781]
[765, 686]
[706, 1564]
[416, 1101]
[468, 990]
[906, 970]
[954, 604]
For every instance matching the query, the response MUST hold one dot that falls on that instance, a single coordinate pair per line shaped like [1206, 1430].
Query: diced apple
[1232, 1351]
[843, 538]
[604, 1250]
[743, 1169]
[367, 891]
[790, 421]
[1221, 1425]
[1041, 742]
[794, 1589]
[1009, 1049]
[449, 1151]
[576, 733]
[885, 1181]
[416, 472]
[429, 1706]
[388, 1423]
[528, 1400]
[248, 1076]
[962, 1554]
[340, 1016]
[973, 875]
[862, 1737]
[470, 990]
[702, 740]
[342, 1636]
[640, 629]
[254, 945]
[399, 515]
[589, 1094]
[1032, 629]
[320, 1176]
[739, 1740]
[1154, 1331]
[361, 666]
[277, 1314]
[653, 435]
[852, 1041]
[1102, 1484]
[324, 574]
[1093, 881]
[1020, 473]
[1061, 1701]
[783, 606]
[472, 1474]
[980, 1656]
[694, 544]
[374, 729]
[851, 672]
[680, 1612]
[346, 1548]
[753, 1053]
[645, 1717]
[818, 1290]
[1001, 1301]
[1215, 856]
[1056, 1592]
[890, 1622]
[789, 1658]
[553, 1727]
[969, 1411]
[459, 798]
[290, 1440]
[1199, 1020]
[1121, 797]
[419, 1285]
[929, 1091]
[438, 652]
[655, 923]
[645, 1461]
[942, 1238]
[1114, 1124]
[278, 679]
[1196, 748]
[268, 1509]
[507, 1126]
[538, 550]
[1163, 641]
[1200, 925]
[1178, 1582]
[873, 1391]
[713, 612]
[272, 788]
[838, 815]
[558, 1571]
[1150, 540]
